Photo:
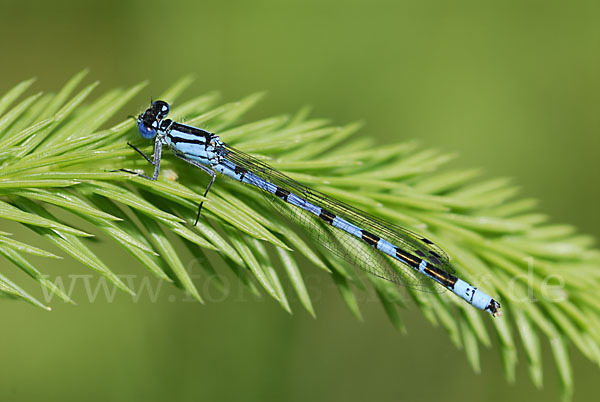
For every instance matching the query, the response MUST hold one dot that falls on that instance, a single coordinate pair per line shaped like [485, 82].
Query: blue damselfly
[401, 255]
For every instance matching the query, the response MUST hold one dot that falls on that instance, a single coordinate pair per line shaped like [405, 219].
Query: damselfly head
[148, 122]
[161, 109]
[147, 131]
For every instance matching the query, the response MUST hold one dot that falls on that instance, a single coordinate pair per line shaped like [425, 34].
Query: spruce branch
[56, 156]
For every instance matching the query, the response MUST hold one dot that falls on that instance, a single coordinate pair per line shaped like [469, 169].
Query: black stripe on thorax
[190, 130]
[165, 124]
[327, 216]
[370, 238]
[201, 137]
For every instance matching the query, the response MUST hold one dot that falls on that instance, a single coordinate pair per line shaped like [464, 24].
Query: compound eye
[161, 109]
[146, 132]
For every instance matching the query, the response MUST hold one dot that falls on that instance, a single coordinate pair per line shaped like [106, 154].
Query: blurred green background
[512, 87]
